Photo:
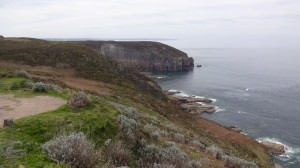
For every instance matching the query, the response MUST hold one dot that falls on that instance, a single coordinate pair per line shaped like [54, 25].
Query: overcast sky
[203, 23]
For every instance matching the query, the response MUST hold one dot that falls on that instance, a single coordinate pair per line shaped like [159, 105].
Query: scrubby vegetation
[118, 154]
[74, 149]
[79, 100]
[133, 124]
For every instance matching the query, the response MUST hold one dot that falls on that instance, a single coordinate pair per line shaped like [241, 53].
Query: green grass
[14, 85]
[98, 122]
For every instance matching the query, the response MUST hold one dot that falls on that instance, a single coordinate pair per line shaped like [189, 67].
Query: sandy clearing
[11, 107]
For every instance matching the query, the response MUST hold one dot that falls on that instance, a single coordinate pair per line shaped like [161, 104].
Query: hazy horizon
[204, 23]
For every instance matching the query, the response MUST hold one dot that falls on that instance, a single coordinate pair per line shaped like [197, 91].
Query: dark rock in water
[192, 99]
[199, 66]
[169, 92]
[144, 55]
[197, 109]
[275, 149]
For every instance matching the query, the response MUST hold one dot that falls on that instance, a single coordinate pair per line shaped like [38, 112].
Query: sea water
[257, 90]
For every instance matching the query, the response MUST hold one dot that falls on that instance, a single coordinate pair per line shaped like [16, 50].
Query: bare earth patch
[11, 107]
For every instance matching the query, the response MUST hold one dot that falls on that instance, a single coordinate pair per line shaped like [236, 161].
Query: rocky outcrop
[192, 104]
[1, 37]
[273, 148]
[143, 55]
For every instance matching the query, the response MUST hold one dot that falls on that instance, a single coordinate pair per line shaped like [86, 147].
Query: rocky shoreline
[197, 105]
[193, 104]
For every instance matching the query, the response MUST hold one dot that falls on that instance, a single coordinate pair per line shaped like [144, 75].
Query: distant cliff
[144, 56]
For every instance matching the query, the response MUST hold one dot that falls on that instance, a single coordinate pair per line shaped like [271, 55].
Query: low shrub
[128, 129]
[169, 157]
[79, 100]
[54, 87]
[154, 131]
[162, 166]
[74, 149]
[195, 164]
[23, 73]
[40, 87]
[131, 113]
[198, 144]
[28, 84]
[179, 138]
[150, 154]
[118, 154]
[215, 151]
[234, 162]
[10, 150]
[173, 155]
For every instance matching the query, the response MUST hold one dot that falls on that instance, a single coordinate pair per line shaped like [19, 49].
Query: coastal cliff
[125, 111]
[144, 55]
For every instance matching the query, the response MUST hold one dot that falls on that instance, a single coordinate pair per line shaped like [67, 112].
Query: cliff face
[144, 56]
[115, 90]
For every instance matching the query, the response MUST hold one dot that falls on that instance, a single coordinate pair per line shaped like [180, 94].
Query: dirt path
[11, 107]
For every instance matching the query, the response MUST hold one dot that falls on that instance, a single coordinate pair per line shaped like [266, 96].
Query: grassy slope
[99, 120]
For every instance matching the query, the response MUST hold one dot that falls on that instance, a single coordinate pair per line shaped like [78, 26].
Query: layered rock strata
[144, 55]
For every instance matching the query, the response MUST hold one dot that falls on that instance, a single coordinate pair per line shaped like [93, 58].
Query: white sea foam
[202, 104]
[242, 112]
[213, 100]
[290, 152]
[198, 97]
[173, 91]
[218, 109]
[244, 133]
[159, 77]
[182, 94]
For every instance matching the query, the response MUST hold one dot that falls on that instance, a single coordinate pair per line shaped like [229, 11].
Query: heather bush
[10, 150]
[155, 135]
[73, 149]
[40, 87]
[23, 73]
[215, 151]
[173, 155]
[150, 154]
[169, 157]
[234, 162]
[162, 166]
[198, 144]
[179, 138]
[150, 128]
[54, 87]
[118, 154]
[128, 129]
[171, 126]
[195, 164]
[154, 131]
[28, 84]
[131, 113]
[79, 100]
